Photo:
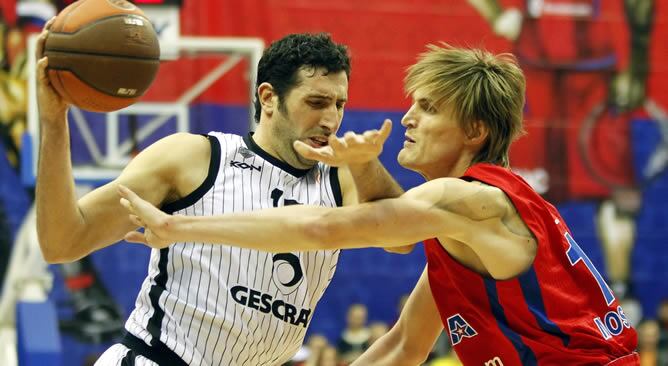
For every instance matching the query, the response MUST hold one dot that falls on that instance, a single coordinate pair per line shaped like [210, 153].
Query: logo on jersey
[459, 329]
[612, 324]
[266, 303]
[287, 272]
[496, 361]
[287, 275]
[245, 152]
[240, 165]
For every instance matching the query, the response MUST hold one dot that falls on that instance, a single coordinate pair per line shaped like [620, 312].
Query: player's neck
[455, 169]
[262, 137]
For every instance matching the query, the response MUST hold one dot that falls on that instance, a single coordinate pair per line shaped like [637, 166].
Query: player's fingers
[323, 154]
[337, 143]
[41, 40]
[136, 220]
[130, 195]
[135, 237]
[41, 68]
[385, 131]
[305, 150]
[127, 205]
[350, 137]
[370, 135]
[49, 23]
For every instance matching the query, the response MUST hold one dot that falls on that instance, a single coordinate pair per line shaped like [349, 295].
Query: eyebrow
[324, 96]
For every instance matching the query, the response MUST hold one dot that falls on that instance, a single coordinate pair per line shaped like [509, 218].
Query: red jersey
[559, 312]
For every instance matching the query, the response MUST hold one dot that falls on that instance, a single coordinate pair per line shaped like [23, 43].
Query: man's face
[310, 112]
[434, 140]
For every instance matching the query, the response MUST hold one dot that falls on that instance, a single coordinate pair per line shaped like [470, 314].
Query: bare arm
[478, 216]
[69, 229]
[413, 336]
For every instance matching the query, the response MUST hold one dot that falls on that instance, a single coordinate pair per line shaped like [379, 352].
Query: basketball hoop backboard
[110, 140]
[166, 21]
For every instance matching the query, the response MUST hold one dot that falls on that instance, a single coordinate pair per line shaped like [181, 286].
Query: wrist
[362, 167]
[173, 225]
[56, 119]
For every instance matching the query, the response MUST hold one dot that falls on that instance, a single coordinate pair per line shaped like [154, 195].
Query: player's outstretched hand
[147, 216]
[352, 148]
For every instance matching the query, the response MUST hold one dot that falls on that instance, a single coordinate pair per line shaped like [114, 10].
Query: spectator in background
[662, 323]
[329, 357]
[648, 343]
[662, 314]
[313, 349]
[354, 337]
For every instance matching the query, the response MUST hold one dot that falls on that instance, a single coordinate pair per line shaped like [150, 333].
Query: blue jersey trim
[534, 300]
[525, 353]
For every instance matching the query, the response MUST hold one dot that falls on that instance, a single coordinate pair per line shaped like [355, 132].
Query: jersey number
[575, 255]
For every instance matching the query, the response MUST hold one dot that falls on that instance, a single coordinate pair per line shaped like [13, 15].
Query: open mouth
[318, 141]
[408, 139]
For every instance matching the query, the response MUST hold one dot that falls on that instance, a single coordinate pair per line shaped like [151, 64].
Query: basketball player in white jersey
[204, 304]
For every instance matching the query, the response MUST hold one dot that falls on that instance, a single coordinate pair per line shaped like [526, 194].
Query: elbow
[53, 250]
[52, 256]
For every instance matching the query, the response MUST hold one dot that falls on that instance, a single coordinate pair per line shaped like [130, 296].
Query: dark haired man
[215, 305]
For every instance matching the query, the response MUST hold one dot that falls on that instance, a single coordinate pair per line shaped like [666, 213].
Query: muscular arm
[413, 336]
[69, 229]
[473, 214]
[371, 181]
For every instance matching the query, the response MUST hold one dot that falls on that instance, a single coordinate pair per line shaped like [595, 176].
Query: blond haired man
[508, 281]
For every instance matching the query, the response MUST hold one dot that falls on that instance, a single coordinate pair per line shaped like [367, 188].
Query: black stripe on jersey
[198, 193]
[129, 359]
[159, 354]
[155, 322]
[248, 139]
[336, 187]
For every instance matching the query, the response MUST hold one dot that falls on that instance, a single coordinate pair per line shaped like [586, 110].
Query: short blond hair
[475, 85]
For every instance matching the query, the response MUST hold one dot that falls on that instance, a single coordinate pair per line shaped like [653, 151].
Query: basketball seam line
[92, 23]
[94, 87]
[102, 54]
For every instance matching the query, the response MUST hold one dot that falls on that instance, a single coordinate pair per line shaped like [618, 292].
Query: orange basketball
[103, 54]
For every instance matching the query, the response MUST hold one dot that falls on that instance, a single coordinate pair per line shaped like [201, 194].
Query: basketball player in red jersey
[581, 98]
[504, 273]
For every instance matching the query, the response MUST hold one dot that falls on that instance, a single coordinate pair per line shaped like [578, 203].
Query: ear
[268, 98]
[478, 133]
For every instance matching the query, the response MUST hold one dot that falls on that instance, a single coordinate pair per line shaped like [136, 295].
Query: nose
[408, 120]
[331, 118]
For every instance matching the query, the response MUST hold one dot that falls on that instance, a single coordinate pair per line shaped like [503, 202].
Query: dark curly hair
[282, 60]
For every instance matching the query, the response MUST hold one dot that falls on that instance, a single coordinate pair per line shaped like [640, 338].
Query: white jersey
[219, 305]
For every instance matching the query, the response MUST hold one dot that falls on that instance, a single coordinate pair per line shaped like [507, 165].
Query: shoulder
[471, 198]
[179, 158]
[180, 148]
